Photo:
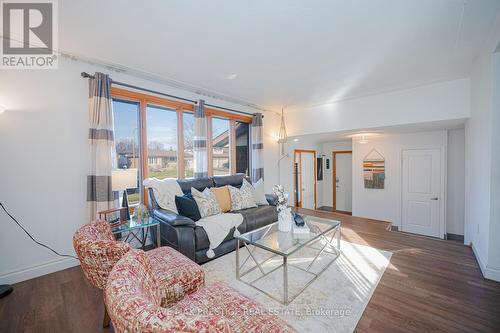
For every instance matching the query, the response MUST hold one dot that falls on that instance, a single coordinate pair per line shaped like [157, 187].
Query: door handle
[435, 198]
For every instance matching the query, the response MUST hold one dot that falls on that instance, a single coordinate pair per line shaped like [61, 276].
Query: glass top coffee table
[322, 240]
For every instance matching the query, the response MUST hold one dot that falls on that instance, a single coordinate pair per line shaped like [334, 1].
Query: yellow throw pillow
[223, 197]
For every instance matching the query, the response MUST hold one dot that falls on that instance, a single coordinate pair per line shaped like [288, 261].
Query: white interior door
[422, 186]
[343, 182]
[306, 180]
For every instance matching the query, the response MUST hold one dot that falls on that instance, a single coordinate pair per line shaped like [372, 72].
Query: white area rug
[332, 303]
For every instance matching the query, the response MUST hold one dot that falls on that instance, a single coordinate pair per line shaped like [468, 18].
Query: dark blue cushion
[186, 206]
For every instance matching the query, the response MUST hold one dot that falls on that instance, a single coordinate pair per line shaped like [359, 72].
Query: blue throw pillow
[186, 206]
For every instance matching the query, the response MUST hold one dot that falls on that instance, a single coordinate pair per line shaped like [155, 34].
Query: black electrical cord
[33, 239]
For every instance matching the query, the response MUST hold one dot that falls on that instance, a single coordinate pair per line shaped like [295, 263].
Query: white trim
[488, 272]
[482, 266]
[27, 273]
[492, 274]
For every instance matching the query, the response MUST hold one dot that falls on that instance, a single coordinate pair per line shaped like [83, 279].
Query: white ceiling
[284, 52]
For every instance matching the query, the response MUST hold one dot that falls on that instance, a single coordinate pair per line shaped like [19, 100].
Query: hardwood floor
[430, 286]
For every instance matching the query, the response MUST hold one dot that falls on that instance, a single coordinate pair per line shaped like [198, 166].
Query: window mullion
[232, 146]
[209, 146]
[144, 148]
[180, 144]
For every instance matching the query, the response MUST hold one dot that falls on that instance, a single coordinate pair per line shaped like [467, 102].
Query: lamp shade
[122, 179]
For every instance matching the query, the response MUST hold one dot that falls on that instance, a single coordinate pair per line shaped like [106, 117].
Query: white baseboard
[38, 270]
[492, 273]
[482, 264]
[488, 272]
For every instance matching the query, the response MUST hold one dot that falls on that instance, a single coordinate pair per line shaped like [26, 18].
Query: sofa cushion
[199, 183]
[233, 180]
[257, 217]
[186, 206]
[223, 197]
[172, 218]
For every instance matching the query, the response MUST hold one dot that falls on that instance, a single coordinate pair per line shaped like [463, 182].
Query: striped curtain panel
[257, 148]
[200, 152]
[102, 148]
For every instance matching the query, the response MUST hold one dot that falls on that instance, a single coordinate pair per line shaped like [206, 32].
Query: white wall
[44, 149]
[440, 101]
[482, 222]
[271, 150]
[327, 149]
[385, 204]
[494, 241]
[455, 210]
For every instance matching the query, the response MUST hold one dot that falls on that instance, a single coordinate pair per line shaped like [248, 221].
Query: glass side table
[138, 230]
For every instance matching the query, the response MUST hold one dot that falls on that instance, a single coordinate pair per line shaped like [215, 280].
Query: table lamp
[121, 180]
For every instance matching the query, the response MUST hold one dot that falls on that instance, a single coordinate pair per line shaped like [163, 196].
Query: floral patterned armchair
[98, 252]
[134, 305]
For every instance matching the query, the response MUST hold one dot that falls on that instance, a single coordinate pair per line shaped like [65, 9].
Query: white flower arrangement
[279, 191]
[284, 212]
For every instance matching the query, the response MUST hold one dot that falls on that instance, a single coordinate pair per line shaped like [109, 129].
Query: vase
[285, 219]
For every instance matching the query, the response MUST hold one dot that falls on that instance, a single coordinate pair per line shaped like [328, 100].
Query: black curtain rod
[87, 75]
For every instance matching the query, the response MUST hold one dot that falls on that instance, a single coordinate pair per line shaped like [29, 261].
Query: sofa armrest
[272, 199]
[172, 218]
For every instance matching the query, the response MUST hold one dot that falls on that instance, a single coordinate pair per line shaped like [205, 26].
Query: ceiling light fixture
[363, 140]
[295, 140]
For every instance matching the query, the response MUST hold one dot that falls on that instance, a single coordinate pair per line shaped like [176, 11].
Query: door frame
[334, 175]
[443, 188]
[295, 153]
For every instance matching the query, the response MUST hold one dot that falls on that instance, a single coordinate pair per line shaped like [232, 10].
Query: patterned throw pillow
[242, 198]
[206, 201]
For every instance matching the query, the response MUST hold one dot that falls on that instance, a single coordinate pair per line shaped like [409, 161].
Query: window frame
[180, 108]
[230, 142]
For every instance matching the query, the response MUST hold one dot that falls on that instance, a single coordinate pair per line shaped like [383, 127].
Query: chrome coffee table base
[329, 245]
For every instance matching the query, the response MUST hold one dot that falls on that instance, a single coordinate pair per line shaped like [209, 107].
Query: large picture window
[126, 124]
[221, 158]
[161, 128]
[242, 134]
[188, 124]
[155, 136]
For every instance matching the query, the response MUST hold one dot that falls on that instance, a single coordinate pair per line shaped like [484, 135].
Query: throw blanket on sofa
[165, 191]
[217, 227]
